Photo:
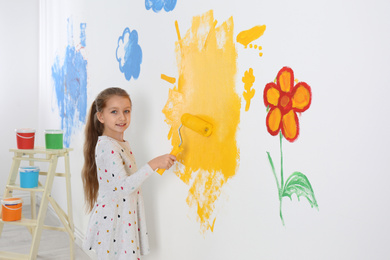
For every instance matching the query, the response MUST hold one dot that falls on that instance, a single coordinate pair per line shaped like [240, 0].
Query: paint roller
[194, 123]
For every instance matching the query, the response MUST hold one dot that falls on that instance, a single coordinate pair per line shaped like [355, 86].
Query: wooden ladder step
[11, 255]
[31, 159]
[17, 187]
[23, 222]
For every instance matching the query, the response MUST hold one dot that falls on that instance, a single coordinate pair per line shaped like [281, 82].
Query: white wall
[19, 45]
[339, 47]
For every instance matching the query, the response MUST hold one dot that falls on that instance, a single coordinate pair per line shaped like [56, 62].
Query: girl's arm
[112, 173]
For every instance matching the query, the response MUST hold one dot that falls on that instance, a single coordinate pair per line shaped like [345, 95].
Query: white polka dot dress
[117, 228]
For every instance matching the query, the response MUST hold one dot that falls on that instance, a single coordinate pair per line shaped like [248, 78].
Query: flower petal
[273, 121]
[271, 95]
[301, 99]
[290, 126]
[285, 79]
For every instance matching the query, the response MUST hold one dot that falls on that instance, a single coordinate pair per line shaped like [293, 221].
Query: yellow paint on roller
[197, 124]
[206, 58]
[194, 123]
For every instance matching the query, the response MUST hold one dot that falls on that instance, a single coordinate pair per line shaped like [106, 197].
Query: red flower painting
[285, 100]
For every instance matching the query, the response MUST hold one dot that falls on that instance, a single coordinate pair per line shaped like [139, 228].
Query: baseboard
[79, 235]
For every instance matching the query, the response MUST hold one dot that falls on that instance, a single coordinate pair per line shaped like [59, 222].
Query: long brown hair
[94, 129]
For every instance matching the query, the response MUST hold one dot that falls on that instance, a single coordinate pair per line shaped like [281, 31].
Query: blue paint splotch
[129, 54]
[82, 34]
[70, 83]
[157, 5]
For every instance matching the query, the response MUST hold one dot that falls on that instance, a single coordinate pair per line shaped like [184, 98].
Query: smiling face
[115, 117]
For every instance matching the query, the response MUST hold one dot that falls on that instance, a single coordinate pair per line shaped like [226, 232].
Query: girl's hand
[162, 162]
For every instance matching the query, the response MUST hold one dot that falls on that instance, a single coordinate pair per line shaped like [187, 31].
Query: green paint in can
[54, 139]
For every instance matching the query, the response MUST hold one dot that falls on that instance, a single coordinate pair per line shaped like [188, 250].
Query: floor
[53, 245]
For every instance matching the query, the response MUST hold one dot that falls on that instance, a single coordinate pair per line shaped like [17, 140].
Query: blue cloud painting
[157, 5]
[129, 54]
[70, 82]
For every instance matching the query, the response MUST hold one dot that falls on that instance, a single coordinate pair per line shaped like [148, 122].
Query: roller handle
[175, 151]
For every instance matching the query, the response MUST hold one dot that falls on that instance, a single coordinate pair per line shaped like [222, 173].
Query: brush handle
[175, 151]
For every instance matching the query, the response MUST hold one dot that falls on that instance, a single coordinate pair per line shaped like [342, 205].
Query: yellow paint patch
[167, 78]
[246, 37]
[248, 94]
[206, 88]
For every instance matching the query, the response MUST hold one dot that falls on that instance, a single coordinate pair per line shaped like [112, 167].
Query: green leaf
[299, 184]
[273, 171]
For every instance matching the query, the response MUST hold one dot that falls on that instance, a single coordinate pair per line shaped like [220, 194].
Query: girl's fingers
[171, 160]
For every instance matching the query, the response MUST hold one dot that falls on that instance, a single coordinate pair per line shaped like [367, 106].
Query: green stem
[281, 162]
[274, 172]
[281, 178]
[281, 185]
[280, 211]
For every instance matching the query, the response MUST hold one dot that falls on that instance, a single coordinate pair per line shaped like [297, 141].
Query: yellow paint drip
[206, 58]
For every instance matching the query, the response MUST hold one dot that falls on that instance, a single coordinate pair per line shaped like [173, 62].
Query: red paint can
[25, 138]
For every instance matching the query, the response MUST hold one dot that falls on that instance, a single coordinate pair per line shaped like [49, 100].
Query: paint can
[11, 209]
[29, 176]
[54, 139]
[25, 138]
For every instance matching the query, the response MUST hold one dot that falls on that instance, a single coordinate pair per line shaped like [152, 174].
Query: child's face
[116, 117]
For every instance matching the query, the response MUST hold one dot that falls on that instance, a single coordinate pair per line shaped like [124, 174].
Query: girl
[112, 183]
